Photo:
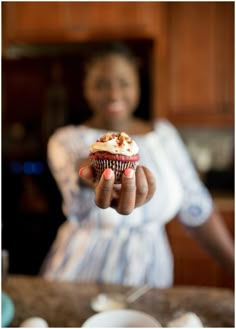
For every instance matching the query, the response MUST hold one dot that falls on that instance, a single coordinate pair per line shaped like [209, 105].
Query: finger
[126, 202]
[103, 191]
[141, 186]
[115, 195]
[86, 175]
[151, 183]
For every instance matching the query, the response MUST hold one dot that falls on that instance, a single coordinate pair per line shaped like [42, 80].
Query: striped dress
[101, 245]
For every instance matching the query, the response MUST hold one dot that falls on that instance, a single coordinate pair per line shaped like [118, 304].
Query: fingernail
[107, 173]
[81, 171]
[129, 173]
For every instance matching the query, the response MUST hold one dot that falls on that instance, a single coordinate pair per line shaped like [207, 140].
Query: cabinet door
[32, 21]
[111, 18]
[192, 264]
[73, 21]
[201, 62]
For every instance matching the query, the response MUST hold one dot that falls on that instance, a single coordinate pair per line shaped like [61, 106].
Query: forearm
[214, 236]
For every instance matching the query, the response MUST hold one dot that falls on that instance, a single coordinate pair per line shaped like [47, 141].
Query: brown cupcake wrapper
[117, 166]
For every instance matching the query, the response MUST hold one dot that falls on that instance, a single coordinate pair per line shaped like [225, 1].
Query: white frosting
[126, 146]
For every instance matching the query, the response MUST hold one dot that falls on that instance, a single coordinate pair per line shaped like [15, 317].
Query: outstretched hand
[136, 189]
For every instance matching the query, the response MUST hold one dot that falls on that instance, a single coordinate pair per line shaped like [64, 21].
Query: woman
[119, 236]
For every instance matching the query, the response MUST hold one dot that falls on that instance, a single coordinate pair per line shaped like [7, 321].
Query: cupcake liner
[117, 166]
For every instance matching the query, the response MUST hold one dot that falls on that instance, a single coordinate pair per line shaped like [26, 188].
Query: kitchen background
[186, 50]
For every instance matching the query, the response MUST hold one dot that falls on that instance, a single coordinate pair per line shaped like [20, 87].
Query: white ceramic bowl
[121, 319]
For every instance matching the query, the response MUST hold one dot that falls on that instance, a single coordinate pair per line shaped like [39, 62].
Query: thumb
[86, 174]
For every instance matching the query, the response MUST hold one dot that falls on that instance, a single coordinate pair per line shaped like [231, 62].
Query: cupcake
[116, 151]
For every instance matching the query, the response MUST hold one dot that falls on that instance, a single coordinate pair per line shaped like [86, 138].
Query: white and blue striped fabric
[103, 246]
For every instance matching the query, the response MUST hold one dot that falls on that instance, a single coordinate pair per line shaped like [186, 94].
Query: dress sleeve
[197, 203]
[63, 153]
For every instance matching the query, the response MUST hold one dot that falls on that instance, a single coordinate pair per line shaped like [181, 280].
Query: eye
[124, 84]
[102, 84]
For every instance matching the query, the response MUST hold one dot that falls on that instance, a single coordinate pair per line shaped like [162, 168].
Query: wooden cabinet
[122, 19]
[73, 21]
[192, 265]
[201, 63]
[32, 21]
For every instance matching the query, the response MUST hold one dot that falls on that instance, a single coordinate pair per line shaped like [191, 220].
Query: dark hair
[105, 48]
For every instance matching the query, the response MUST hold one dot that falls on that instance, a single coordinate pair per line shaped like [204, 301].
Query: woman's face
[112, 89]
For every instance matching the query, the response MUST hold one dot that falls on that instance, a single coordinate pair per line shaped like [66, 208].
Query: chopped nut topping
[121, 138]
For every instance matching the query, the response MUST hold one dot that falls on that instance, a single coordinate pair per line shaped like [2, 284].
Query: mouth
[117, 107]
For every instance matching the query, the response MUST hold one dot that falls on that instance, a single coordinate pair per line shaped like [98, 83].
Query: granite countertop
[67, 304]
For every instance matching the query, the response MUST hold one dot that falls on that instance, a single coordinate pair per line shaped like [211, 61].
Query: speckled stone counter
[65, 304]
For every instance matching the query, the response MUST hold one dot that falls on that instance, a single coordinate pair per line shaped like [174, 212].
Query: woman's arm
[66, 150]
[197, 211]
[216, 239]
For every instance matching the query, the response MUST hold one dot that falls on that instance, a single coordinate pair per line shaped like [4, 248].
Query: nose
[114, 92]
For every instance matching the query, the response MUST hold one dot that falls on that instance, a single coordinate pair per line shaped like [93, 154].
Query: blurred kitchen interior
[186, 51]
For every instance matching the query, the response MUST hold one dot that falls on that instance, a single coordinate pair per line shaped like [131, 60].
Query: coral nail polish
[107, 173]
[129, 173]
[81, 171]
